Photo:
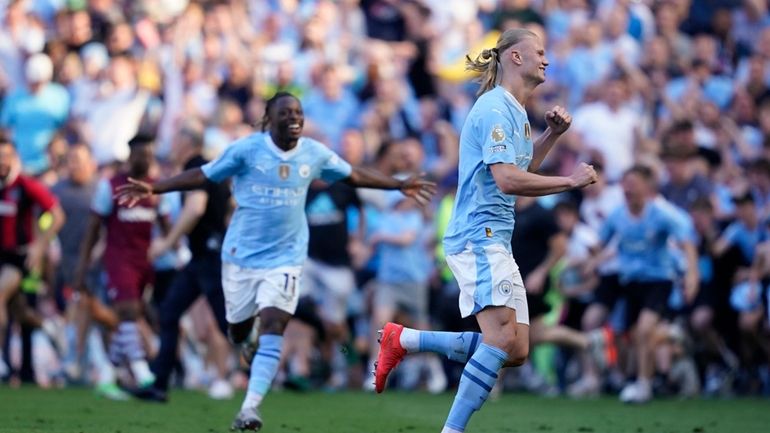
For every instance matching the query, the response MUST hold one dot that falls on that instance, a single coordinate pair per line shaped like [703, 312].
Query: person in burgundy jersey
[22, 246]
[128, 236]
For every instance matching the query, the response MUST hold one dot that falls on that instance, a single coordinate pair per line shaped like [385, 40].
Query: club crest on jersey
[505, 287]
[283, 171]
[304, 170]
[498, 135]
[527, 131]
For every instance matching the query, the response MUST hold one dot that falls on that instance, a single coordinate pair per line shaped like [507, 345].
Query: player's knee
[519, 355]
[275, 327]
[516, 349]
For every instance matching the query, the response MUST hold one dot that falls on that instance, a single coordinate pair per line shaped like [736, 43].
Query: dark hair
[80, 145]
[4, 140]
[702, 203]
[642, 171]
[269, 104]
[745, 198]
[760, 166]
[141, 139]
[384, 148]
[566, 206]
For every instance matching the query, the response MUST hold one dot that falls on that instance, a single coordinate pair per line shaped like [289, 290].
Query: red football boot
[391, 353]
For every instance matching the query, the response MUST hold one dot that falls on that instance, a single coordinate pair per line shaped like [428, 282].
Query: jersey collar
[512, 99]
[283, 154]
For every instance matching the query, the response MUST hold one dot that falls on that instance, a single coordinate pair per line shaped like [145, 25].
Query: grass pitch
[30, 410]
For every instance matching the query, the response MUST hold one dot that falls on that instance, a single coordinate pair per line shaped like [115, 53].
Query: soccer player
[128, 236]
[498, 160]
[22, 246]
[266, 243]
[645, 227]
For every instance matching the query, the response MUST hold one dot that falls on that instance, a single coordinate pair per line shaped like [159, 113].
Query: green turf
[30, 410]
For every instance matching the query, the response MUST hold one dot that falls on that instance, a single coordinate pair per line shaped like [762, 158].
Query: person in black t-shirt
[537, 245]
[203, 219]
[328, 280]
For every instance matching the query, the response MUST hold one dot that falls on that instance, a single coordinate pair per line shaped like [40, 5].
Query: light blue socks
[457, 346]
[264, 367]
[479, 376]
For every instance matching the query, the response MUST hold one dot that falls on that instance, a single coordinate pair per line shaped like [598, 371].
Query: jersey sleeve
[230, 163]
[679, 224]
[102, 203]
[41, 195]
[333, 168]
[499, 137]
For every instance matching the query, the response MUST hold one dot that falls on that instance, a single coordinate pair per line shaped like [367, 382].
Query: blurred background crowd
[682, 87]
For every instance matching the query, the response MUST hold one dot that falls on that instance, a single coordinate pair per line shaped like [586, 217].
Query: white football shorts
[489, 276]
[248, 291]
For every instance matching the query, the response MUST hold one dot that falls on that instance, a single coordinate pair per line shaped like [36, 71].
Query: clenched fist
[584, 175]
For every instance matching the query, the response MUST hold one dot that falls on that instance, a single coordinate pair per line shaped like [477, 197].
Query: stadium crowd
[671, 105]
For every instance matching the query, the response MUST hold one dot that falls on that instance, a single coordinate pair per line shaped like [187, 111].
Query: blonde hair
[488, 62]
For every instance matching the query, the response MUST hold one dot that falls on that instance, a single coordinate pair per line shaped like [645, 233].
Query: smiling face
[530, 55]
[286, 121]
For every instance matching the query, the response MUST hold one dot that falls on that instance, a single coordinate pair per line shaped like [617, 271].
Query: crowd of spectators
[679, 86]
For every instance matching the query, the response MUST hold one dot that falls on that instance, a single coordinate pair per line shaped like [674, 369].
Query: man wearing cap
[33, 114]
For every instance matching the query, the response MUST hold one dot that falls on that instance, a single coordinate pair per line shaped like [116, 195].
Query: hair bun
[486, 54]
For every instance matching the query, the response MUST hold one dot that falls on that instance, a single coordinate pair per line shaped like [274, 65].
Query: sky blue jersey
[645, 253]
[496, 131]
[403, 264]
[269, 227]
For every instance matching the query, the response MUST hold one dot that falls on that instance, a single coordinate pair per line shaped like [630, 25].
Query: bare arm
[558, 121]
[415, 187]
[43, 236]
[513, 180]
[402, 240]
[184, 181]
[692, 277]
[362, 177]
[136, 190]
[192, 211]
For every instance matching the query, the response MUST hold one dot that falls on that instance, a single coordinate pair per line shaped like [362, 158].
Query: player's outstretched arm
[558, 121]
[136, 190]
[513, 180]
[415, 187]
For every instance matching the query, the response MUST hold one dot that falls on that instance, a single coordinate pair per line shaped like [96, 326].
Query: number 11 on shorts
[290, 283]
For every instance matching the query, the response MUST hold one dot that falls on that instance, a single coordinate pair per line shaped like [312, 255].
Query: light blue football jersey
[269, 227]
[645, 253]
[496, 131]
